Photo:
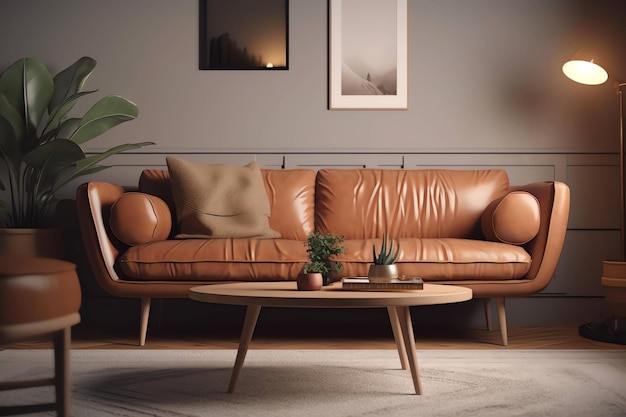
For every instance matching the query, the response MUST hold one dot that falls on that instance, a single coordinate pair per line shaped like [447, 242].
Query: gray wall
[484, 76]
[485, 90]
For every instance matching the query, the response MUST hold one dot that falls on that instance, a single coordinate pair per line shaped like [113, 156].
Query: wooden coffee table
[255, 295]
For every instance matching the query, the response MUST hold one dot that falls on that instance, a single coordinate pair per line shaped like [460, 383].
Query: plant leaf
[58, 113]
[383, 251]
[53, 157]
[9, 145]
[28, 86]
[105, 114]
[93, 170]
[389, 256]
[395, 256]
[10, 139]
[70, 81]
[89, 164]
[68, 126]
[94, 159]
[68, 85]
[11, 85]
[5, 215]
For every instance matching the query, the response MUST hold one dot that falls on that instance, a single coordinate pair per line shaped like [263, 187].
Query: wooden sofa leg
[502, 319]
[143, 325]
[488, 314]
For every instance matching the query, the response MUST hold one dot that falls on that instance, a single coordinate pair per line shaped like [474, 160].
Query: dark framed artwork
[244, 34]
[368, 54]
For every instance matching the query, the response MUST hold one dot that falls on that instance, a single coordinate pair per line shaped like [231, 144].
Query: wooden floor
[84, 337]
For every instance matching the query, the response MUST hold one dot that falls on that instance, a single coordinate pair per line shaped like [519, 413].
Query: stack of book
[399, 284]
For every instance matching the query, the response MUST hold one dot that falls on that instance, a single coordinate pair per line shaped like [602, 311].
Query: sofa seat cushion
[443, 259]
[215, 260]
[280, 259]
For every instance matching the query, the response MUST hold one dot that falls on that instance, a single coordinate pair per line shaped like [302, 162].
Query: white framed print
[368, 54]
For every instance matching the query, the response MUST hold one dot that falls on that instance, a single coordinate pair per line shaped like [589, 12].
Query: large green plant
[40, 144]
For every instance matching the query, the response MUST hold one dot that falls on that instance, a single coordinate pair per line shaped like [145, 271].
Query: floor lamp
[586, 67]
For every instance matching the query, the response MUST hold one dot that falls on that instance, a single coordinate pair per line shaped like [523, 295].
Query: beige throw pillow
[219, 201]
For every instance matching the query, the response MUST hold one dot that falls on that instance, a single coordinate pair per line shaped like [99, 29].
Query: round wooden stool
[39, 297]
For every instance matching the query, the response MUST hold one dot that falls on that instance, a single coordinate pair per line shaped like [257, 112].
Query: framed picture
[244, 34]
[368, 48]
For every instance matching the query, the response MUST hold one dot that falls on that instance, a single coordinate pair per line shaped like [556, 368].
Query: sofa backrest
[428, 203]
[291, 195]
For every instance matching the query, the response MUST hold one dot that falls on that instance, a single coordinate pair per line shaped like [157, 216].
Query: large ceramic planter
[612, 330]
[382, 273]
[614, 283]
[47, 243]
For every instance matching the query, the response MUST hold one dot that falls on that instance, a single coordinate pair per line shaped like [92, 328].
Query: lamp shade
[585, 72]
[587, 66]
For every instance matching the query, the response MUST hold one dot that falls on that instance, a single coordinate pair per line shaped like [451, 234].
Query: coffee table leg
[252, 314]
[404, 316]
[397, 335]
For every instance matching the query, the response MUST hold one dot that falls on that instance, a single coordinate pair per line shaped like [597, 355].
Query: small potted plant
[320, 268]
[384, 268]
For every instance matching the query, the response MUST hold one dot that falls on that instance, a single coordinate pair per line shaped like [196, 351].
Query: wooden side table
[39, 297]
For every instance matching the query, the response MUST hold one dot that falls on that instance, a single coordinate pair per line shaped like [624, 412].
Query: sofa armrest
[94, 201]
[545, 249]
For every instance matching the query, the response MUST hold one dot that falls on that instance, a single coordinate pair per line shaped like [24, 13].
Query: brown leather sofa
[465, 227]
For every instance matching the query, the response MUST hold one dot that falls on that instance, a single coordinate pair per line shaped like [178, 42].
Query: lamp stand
[613, 278]
[622, 171]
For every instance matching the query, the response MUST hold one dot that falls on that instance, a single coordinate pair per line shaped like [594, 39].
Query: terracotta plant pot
[310, 282]
[382, 273]
[614, 282]
[47, 243]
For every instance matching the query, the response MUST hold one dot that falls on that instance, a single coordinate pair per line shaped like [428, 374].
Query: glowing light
[585, 72]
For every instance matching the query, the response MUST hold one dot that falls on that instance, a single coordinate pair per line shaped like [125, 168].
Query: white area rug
[331, 383]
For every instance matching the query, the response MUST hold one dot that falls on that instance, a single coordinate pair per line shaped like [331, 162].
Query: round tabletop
[286, 294]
